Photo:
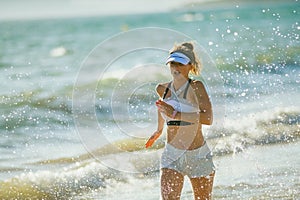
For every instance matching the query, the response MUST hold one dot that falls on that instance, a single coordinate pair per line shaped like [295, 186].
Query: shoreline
[258, 172]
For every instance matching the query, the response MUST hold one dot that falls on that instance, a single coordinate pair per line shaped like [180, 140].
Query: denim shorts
[192, 163]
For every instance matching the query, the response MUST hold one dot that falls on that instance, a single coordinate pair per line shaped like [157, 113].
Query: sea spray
[58, 183]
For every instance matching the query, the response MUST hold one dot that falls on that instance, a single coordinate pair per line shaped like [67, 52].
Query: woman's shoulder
[197, 84]
[161, 87]
[199, 88]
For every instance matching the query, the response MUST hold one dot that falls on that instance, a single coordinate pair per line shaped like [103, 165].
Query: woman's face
[179, 70]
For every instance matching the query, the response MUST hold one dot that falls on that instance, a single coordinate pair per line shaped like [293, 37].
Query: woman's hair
[187, 48]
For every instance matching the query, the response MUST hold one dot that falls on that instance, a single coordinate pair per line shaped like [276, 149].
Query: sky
[36, 9]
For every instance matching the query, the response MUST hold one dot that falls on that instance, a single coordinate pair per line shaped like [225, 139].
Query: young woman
[184, 105]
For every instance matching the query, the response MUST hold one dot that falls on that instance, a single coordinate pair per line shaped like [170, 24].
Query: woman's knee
[202, 187]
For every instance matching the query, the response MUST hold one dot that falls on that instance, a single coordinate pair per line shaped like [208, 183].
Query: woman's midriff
[185, 137]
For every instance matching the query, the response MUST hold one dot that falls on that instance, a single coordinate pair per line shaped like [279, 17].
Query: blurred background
[255, 49]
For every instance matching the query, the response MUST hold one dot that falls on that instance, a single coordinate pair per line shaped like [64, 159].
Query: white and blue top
[180, 104]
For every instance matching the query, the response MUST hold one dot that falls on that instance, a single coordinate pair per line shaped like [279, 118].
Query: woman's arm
[206, 114]
[160, 88]
[157, 133]
[160, 123]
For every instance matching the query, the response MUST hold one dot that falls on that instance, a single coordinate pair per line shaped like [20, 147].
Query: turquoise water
[45, 151]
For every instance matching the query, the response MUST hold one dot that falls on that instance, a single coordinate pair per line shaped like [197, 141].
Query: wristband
[174, 114]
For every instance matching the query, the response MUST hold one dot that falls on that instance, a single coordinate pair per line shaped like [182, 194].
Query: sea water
[50, 147]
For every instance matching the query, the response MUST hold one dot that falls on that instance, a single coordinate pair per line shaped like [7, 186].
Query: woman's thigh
[171, 184]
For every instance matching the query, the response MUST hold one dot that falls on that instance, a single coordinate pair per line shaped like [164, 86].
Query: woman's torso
[182, 100]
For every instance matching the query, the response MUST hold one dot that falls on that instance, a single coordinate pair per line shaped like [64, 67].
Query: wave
[59, 183]
[246, 191]
[117, 147]
[281, 125]
[29, 109]
[73, 176]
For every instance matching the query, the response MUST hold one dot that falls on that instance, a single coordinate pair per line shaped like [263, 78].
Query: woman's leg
[171, 184]
[202, 187]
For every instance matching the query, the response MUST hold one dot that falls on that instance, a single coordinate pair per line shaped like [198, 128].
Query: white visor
[178, 57]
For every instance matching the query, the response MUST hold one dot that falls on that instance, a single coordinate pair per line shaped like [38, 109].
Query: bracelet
[174, 114]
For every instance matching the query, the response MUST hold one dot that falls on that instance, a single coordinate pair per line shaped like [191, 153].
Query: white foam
[58, 52]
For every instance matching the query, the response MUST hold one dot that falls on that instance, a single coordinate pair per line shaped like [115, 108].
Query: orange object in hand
[151, 140]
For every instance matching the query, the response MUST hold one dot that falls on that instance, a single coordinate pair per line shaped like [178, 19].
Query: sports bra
[180, 104]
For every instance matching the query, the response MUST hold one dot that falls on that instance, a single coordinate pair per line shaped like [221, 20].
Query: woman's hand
[165, 108]
[153, 138]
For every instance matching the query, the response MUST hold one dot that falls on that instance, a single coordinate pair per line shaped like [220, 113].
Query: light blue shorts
[193, 163]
